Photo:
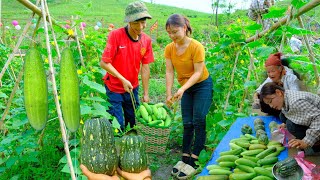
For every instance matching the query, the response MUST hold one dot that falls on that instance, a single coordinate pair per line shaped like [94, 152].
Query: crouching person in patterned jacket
[302, 110]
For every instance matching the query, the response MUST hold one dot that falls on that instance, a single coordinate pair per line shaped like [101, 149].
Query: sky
[200, 5]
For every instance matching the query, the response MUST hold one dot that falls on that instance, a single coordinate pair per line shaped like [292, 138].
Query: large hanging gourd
[69, 90]
[98, 150]
[133, 158]
[35, 89]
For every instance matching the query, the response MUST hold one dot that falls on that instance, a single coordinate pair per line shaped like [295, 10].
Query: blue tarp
[235, 132]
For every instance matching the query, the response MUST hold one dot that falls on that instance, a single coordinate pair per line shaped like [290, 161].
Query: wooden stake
[53, 34]
[15, 49]
[284, 35]
[78, 43]
[311, 54]
[13, 92]
[251, 69]
[55, 93]
[232, 79]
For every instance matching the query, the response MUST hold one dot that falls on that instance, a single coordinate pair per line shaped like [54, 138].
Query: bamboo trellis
[44, 13]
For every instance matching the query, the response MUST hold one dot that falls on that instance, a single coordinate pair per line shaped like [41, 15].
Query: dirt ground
[165, 163]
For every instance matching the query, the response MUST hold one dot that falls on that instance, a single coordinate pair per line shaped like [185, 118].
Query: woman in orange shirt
[186, 56]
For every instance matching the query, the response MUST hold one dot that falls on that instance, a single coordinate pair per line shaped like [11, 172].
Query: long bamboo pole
[78, 42]
[232, 80]
[284, 34]
[302, 10]
[15, 49]
[36, 10]
[53, 33]
[250, 70]
[311, 53]
[13, 92]
[55, 92]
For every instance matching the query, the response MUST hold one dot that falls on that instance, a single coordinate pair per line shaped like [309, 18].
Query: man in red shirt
[127, 49]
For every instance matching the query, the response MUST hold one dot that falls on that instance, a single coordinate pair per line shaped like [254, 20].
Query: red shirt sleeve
[111, 48]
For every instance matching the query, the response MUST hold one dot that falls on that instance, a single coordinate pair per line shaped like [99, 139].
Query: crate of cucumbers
[154, 121]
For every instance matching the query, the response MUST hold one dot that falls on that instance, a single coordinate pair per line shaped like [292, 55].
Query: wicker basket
[156, 137]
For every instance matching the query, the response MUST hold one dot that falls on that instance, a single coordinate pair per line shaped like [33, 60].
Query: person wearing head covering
[302, 112]
[128, 49]
[279, 74]
[257, 9]
[186, 56]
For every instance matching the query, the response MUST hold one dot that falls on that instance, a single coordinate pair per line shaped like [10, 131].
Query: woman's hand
[144, 175]
[170, 100]
[178, 94]
[146, 98]
[297, 143]
[283, 125]
[93, 176]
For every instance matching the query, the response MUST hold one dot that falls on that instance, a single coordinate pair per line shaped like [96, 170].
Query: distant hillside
[109, 11]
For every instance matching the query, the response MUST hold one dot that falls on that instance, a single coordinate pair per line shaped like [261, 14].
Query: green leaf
[225, 44]
[75, 152]
[19, 149]
[250, 84]
[74, 142]
[225, 123]
[254, 27]
[101, 113]
[99, 107]
[2, 169]
[212, 136]
[297, 31]
[40, 30]
[115, 123]
[11, 161]
[3, 160]
[220, 136]
[204, 156]
[240, 114]
[9, 139]
[32, 157]
[299, 3]
[16, 177]
[3, 95]
[264, 52]
[214, 49]
[94, 85]
[253, 44]
[99, 99]
[275, 12]
[75, 164]
[66, 169]
[63, 160]
[85, 110]
[19, 122]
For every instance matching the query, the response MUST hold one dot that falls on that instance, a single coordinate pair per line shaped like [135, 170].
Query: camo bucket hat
[135, 11]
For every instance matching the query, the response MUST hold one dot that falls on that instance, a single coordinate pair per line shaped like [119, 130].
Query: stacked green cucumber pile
[249, 157]
[154, 115]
